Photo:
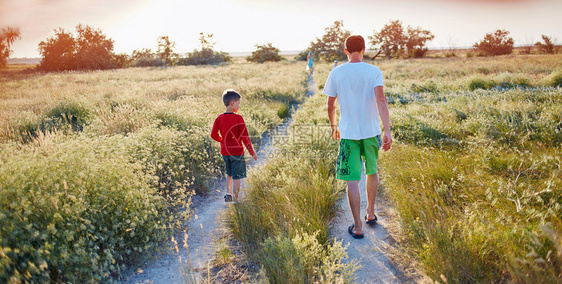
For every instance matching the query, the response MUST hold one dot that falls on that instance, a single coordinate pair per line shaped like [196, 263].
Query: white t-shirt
[354, 86]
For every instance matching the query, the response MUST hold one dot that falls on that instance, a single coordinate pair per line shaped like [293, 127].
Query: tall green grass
[78, 209]
[96, 168]
[476, 178]
[284, 219]
[476, 166]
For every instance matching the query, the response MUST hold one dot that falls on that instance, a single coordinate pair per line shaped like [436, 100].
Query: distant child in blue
[310, 65]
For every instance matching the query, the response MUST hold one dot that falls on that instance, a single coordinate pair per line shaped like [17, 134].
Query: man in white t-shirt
[358, 88]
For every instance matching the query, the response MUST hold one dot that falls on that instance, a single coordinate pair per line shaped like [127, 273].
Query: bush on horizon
[264, 53]
[205, 56]
[497, 43]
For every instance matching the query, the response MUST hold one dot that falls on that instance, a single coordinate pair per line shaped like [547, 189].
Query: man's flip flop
[356, 236]
[371, 222]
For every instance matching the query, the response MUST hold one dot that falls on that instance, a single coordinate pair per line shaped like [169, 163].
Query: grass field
[475, 170]
[96, 168]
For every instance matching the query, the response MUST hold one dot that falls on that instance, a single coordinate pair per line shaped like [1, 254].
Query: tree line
[89, 49]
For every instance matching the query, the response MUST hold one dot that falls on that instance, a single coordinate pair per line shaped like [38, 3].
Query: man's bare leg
[354, 199]
[372, 185]
[236, 189]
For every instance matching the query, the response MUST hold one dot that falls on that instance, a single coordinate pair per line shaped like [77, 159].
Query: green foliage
[475, 175]
[145, 57]
[7, 37]
[480, 83]
[283, 111]
[78, 210]
[428, 87]
[180, 159]
[264, 53]
[66, 115]
[205, 57]
[464, 201]
[497, 43]
[303, 259]
[554, 79]
[143, 146]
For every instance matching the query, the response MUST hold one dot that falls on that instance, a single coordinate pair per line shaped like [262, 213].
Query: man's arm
[382, 106]
[332, 117]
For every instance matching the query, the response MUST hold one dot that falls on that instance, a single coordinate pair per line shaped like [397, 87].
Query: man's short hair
[230, 95]
[354, 43]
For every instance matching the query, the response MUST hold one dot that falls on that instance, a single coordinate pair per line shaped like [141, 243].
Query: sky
[290, 25]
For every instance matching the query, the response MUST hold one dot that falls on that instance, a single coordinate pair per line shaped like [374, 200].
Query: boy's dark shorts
[235, 166]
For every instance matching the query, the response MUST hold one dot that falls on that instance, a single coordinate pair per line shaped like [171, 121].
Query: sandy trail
[372, 251]
[204, 230]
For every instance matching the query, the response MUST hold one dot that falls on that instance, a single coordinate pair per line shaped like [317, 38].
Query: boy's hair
[230, 95]
[355, 43]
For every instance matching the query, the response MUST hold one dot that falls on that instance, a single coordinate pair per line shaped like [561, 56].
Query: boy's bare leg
[229, 184]
[371, 187]
[354, 199]
[236, 189]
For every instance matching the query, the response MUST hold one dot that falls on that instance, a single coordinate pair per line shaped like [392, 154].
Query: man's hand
[386, 141]
[255, 156]
[335, 132]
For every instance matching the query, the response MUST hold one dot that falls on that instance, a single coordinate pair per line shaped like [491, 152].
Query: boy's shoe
[228, 198]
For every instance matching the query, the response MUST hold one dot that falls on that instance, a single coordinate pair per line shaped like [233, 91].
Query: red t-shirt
[233, 133]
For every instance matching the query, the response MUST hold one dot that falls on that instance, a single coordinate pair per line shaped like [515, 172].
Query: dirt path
[371, 252]
[203, 230]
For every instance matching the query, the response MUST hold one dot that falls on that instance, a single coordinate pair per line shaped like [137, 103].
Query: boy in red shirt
[230, 130]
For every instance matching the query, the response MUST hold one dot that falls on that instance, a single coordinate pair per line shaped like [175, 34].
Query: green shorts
[351, 155]
[235, 166]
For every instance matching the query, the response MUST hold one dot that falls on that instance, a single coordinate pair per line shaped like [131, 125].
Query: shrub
[205, 56]
[303, 259]
[480, 83]
[71, 112]
[145, 57]
[554, 79]
[264, 53]
[497, 43]
[547, 47]
[180, 159]
[427, 87]
[77, 211]
[88, 50]
[283, 111]
[66, 115]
